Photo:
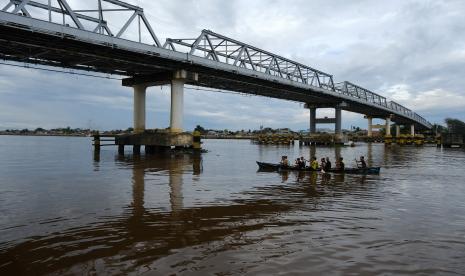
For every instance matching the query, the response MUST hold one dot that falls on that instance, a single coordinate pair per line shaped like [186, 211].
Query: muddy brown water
[62, 212]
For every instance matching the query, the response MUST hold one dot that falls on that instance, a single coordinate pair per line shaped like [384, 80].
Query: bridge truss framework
[209, 54]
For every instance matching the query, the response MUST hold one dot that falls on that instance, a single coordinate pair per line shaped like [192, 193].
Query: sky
[412, 52]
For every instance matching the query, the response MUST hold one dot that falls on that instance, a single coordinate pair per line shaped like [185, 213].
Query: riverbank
[89, 135]
[43, 134]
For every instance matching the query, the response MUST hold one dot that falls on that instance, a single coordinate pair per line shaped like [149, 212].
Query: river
[65, 212]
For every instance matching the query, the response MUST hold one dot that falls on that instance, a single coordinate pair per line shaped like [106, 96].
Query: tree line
[452, 126]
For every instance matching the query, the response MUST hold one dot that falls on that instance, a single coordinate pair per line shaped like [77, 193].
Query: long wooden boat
[278, 167]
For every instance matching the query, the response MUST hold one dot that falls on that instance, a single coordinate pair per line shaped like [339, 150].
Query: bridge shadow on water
[139, 238]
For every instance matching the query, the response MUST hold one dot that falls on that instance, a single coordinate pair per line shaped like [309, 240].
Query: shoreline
[90, 136]
[42, 135]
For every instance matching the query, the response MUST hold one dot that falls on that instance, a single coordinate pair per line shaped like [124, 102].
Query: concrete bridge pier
[139, 107]
[158, 139]
[338, 124]
[412, 130]
[388, 126]
[388, 136]
[397, 131]
[337, 121]
[312, 120]
[177, 101]
[370, 126]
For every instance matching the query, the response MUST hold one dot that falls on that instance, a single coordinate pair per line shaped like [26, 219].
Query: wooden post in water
[97, 143]
[196, 143]
[136, 149]
[121, 149]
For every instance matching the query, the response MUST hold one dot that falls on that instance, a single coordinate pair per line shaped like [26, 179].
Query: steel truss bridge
[52, 33]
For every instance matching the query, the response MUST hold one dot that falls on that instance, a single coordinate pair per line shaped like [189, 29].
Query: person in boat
[327, 164]
[284, 161]
[300, 163]
[314, 163]
[362, 163]
[323, 163]
[340, 164]
[303, 162]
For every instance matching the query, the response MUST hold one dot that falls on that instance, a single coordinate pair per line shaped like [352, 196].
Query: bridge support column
[338, 125]
[139, 108]
[370, 126]
[312, 120]
[388, 137]
[412, 130]
[388, 126]
[177, 105]
[397, 131]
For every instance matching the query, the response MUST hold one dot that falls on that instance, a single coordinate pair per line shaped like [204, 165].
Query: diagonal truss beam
[224, 49]
[20, 6]
[71, 13]
[102, 27]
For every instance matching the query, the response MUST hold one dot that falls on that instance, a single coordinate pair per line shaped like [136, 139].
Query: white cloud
[439, 99]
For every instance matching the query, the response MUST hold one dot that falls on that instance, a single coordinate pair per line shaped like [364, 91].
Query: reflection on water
[215, 214]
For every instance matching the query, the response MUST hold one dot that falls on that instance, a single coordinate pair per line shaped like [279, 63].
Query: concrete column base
[154, 141]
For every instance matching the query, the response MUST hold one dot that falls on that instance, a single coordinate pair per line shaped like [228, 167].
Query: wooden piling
[121, 149]
[136, 149]
[97, 143]
[196, 140]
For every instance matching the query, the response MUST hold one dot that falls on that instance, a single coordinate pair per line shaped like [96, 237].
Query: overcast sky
[410, 51]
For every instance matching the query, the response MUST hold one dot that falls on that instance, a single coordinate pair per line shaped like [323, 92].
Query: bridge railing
[409, 113]
[93, 20]
[227, 50]
[353, 90]
[223, 49]
[400, 108]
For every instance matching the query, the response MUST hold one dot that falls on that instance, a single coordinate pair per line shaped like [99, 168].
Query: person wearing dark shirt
[303, 164]
[327, 164]
[323, 164]
[340, 164]
[362, 163]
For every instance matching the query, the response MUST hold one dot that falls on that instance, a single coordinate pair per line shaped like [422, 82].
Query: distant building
[283, 131]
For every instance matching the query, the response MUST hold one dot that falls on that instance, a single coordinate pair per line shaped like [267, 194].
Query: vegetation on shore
[451, 126]
[65, 131]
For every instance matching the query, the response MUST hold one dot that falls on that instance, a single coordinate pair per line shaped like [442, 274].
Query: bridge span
[52, 33]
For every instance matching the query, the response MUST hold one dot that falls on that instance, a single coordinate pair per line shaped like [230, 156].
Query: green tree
[455, 126]
[200, 129]
[67, 130]
[437, 128]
